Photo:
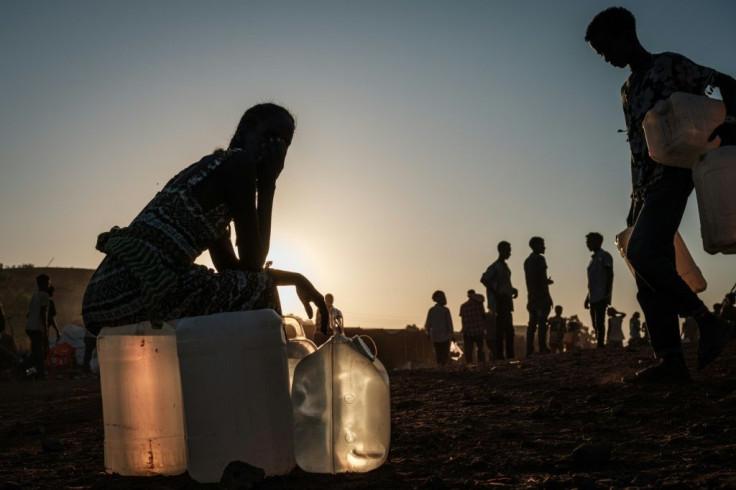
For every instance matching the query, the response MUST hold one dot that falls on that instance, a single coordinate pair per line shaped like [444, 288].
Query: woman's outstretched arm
[306, 292]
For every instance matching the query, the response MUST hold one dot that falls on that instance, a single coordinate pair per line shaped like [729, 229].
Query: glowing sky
[427, 132]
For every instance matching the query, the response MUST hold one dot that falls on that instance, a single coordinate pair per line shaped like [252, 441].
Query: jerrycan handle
[360, 346]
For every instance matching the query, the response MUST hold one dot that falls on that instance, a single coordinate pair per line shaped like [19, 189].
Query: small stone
[434, 482]
[51, 445]
[241, 476]
[589, 428]
[618, 411]
[554, 404]
[593, 399]
[592, 454]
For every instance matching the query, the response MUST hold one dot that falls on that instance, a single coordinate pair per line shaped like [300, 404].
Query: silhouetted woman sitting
[149, 272]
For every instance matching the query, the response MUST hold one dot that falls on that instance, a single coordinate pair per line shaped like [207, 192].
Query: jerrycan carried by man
[236, 393]
[715, 188]
[677, 128]
[141, 400]
[687, 269]
[342, 412]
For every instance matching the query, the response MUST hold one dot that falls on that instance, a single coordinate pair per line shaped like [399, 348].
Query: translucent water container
[236, 393]
[715, 189]
[677, 129]
[686, 266]
[142, 406]
[342, 412]
[298, 346]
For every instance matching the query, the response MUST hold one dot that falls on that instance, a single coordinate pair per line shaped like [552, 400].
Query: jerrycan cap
[360, 346]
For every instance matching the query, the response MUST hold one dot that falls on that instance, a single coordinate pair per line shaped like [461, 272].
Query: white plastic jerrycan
[677, 129]
[298, 345]
[684, 262]
[141, 400]
[235, 384]
[342, 412]
[715, 189]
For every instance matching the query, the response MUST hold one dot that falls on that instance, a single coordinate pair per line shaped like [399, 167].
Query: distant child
[572, 336]
[439, 327]
[557, 329]
[615, 331]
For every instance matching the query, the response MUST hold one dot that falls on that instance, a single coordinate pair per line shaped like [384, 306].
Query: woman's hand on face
[271, 159]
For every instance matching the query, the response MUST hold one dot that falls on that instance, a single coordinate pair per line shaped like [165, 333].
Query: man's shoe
[667, 371]
[713, 339]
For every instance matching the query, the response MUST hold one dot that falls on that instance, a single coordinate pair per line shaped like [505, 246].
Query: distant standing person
[660, 192]
[600, 285]
[689, 330]
[52, 320]
[635, 329]
[501, 295]
[473, 316]
[336, 321]
[615, 329]
[539, 301]
[37, 322]
[728, 309]
[439, 327]
[557, 327]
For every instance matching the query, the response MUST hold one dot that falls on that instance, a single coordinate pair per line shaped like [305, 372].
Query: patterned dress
[667, 73]
[149, 272]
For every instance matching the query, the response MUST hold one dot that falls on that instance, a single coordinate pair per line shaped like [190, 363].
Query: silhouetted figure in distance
[539, 301]
[501, 295]
[439, 327]
[557, 327]
[473, 318]
[600, 285]
[615, 336]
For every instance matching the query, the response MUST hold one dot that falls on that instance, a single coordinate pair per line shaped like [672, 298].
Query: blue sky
[427, 132]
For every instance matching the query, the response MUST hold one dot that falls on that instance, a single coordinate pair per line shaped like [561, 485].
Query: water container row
[230, 375]
[677, 131]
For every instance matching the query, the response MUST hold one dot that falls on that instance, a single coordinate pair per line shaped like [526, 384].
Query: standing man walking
[501, 295]
[539, 301]
[660, 192]
[600, 285]
[473, 317]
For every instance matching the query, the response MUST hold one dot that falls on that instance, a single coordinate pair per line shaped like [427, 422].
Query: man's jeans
[37, 350]
[598, 318]
[471, 342]
[504, 327]
[537, 320]
[662, 293]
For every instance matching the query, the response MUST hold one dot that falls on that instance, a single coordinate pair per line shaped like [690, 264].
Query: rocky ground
[554, 421]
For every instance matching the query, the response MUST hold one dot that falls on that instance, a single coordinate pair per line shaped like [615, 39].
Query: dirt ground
[554, 421]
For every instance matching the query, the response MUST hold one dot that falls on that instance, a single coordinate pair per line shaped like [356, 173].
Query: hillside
[17, 284]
